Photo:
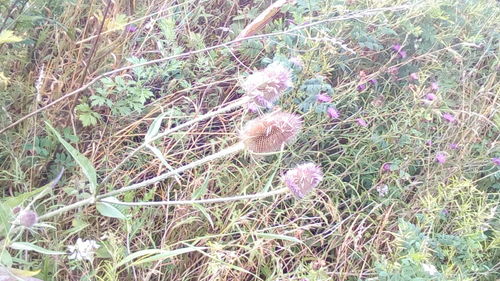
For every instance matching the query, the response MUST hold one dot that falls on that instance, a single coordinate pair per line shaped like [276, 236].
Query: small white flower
[83, 250]
[382, 189]
[429, 268]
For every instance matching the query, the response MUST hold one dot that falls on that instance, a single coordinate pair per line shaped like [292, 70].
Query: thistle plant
[303, 179]
[266, 134]
[262, 89]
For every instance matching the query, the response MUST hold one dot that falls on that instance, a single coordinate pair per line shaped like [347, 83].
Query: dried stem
[200, 201]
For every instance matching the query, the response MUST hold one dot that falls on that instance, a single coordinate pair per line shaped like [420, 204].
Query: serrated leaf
[7, 36]
[32, 247]
[83, 162]
[109, 210]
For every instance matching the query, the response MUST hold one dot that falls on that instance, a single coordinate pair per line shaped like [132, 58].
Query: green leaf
[135, 255]
[155, 126]
[5, 258]
[5, 217]
[109, 210]
[278, 236]
[202, 190]
[31, 247]
[83, 162]
[164, 254]
[7, 36]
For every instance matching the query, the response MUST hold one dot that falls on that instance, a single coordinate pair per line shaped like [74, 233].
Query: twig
[199, 201]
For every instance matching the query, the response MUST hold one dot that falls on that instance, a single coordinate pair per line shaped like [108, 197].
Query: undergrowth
[399, 102]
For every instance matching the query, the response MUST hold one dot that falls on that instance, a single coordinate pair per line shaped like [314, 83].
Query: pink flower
[399, 49]
[434, 86]
[428, 143]
[441, 157]
[430, 97]
[454, 146]
[323, 98]
[386, 167]
[414, 76]
[373, 81]
[496, 161]
[333, 113]
[131, 28]
[449, 117]
[362, 122]
[303, 178]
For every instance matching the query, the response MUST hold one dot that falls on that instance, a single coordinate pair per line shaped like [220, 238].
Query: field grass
[399, 102]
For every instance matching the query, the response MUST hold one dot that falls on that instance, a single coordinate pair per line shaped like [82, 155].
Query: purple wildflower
[496, 161]
[434, 86]
[303, 178]
[397, 47]
[441, 157]
[333, 113]
[430, 97]
[362, 122]
[386, 167]
[414, 76]
[361, 87]
[373, 81]
[454, 146]
[323, 98]
[131, 28]
[449, 117]
[428, 143]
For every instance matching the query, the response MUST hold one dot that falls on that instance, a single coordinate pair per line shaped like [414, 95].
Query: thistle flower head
[449, 117]
[333, 113]
[303, 178]
[266, 86]
[441, 157]
[270, 131]
[27, 218]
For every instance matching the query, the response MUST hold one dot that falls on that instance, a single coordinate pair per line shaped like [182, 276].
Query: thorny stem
[224, 109]
[200, 201]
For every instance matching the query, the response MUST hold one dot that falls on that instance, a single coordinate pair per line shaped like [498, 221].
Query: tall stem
[224, 109]
[230, 150]
[201, 201]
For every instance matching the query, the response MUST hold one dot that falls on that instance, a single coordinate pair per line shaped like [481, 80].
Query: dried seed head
[270, 131]
[27, 218]
[303, 178]
[266, 86]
